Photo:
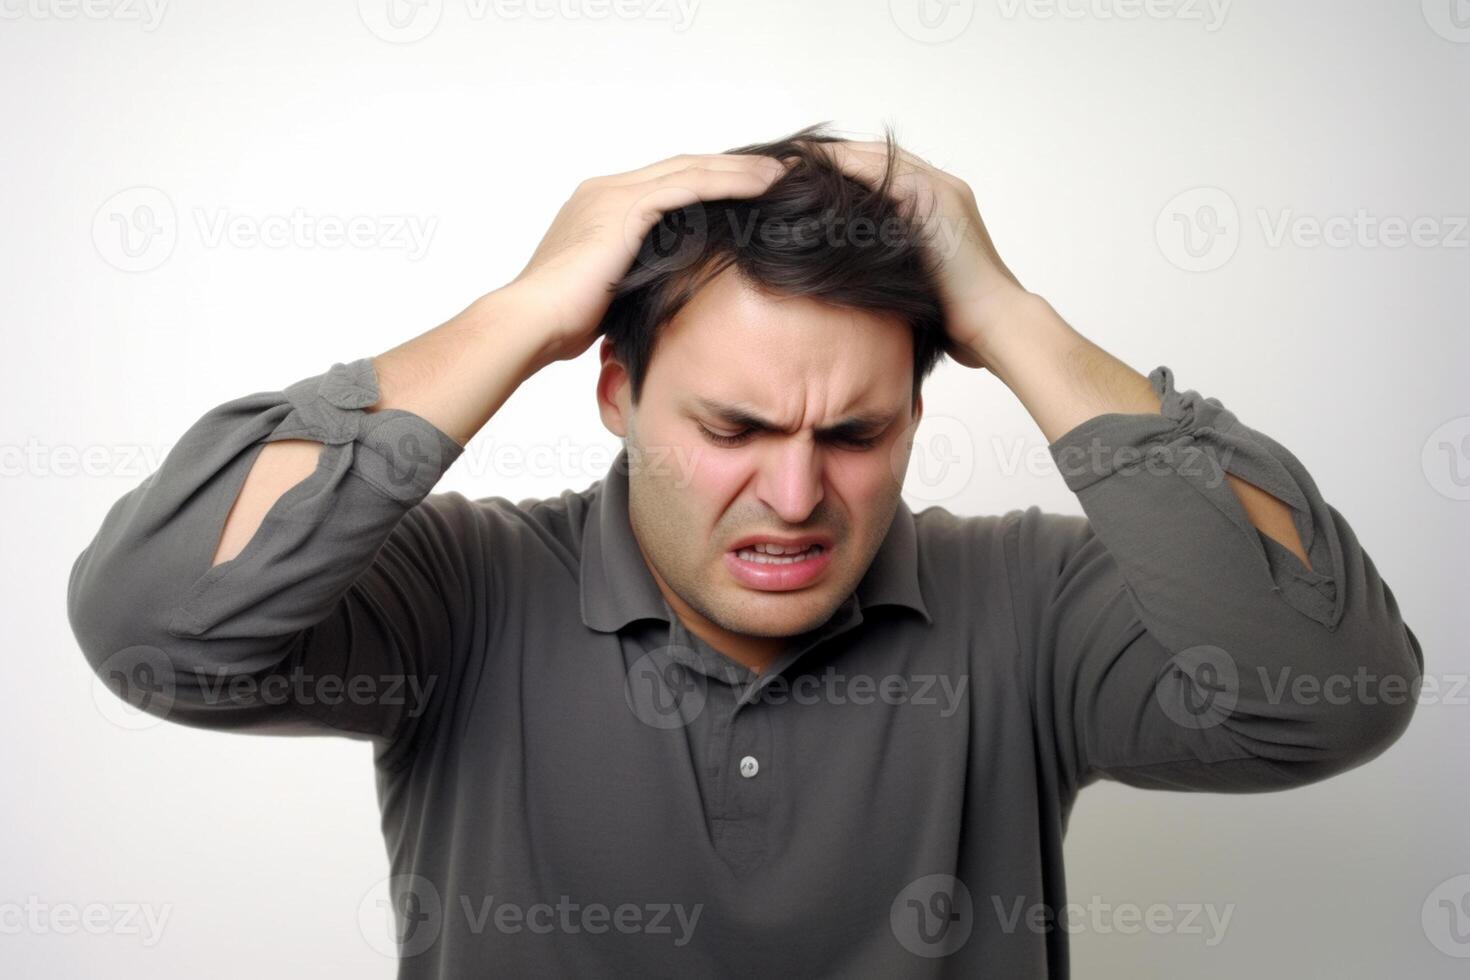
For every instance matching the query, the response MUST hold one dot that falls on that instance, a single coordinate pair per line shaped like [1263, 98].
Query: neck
[754, 652]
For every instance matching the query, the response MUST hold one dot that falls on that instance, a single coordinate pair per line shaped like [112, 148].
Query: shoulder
[940, 528]
[510, 530]
[1029, 542]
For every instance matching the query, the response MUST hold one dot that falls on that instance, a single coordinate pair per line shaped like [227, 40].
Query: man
[734, 710]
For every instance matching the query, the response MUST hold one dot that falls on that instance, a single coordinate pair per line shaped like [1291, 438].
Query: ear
[614, 391]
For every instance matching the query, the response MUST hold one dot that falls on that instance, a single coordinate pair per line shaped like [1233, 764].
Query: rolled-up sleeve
[339, 612]
[1174, 646]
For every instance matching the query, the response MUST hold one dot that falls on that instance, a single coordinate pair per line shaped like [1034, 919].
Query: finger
[683, 187]
[881, 149]
[733, 162]
[860, 164]
[654, 198]
[867, 166]
[869, 160]
[866, 161]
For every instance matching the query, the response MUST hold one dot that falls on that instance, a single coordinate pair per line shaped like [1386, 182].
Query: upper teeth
[778, 549]
[767, 554]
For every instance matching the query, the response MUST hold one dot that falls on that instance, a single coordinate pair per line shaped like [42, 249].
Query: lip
[780, 578]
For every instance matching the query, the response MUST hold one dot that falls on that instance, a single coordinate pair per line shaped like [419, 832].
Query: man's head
[764, 370]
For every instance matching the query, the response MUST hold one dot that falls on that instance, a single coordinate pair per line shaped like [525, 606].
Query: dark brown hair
[884, 270]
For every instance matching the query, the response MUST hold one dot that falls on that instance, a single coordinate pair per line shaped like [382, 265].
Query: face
[767, 450]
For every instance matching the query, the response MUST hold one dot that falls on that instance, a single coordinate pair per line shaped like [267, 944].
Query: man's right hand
[568, 284]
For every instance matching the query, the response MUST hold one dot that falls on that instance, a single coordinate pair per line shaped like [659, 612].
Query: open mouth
[771, 554]
[776, 566]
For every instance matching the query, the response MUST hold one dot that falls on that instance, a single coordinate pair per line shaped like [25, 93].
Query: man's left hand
[976, 288]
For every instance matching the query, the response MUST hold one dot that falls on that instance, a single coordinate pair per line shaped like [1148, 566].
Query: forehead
[736, 342]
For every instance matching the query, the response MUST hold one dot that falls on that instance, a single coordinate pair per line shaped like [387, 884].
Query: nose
[790, 479]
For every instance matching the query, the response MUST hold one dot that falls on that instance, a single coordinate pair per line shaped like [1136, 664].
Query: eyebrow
[853, 426]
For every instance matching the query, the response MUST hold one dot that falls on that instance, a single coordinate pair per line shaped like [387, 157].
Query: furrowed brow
[860, 424]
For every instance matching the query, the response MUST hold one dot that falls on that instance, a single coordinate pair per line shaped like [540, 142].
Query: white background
[1077, 127]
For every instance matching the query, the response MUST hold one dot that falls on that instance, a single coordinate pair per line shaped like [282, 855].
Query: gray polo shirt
[573, 785]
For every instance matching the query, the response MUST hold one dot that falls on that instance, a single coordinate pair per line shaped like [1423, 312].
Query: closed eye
[721, 439]
[854, 442]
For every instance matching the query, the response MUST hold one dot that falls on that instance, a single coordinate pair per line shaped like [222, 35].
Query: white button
[749, 767]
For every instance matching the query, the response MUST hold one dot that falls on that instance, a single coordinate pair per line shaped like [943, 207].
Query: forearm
[456, 376]
[1064, 379]
[1061, 377]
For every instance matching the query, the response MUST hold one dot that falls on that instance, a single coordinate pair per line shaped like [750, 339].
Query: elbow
[124, 654]
[86, 610]
[1374, 729]
[1376, 705]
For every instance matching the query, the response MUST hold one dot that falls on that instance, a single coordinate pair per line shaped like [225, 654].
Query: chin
[777, 614]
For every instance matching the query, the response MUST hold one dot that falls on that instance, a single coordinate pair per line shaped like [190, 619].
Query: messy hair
[799, 238]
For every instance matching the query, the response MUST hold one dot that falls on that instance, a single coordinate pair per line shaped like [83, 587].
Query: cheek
[717, 479]
[864, 482]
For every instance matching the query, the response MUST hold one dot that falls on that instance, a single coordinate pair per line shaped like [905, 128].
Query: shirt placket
[739, 766]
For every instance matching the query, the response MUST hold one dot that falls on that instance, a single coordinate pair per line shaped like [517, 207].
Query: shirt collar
[617, 587]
